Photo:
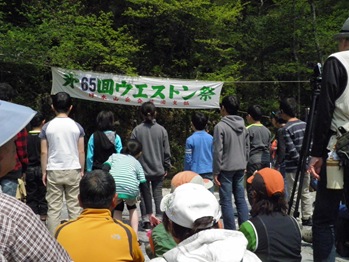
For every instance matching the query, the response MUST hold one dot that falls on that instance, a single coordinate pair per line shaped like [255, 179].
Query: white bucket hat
[190, 202]
[344, 33]
[13, 118]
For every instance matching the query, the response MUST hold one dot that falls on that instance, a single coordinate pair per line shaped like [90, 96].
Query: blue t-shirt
[198, 152]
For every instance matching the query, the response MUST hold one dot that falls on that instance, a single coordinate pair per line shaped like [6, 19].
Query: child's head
[199, 120]
[231, 104]
[105, 121]
[37, 120]
[190, 208]
[148, 111]
[133, 147]
[255, 111]
[288, 106]
[7, 92]
[61, 102]
[276, 119]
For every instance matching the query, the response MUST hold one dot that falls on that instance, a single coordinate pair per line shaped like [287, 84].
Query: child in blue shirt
[198, 148]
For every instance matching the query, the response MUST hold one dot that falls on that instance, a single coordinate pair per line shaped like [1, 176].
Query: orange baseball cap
[189, 177]
[267, 181]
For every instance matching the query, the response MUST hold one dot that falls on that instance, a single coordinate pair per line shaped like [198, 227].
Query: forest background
[262, 50]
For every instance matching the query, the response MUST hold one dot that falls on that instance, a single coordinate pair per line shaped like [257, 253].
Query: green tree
[185, 39]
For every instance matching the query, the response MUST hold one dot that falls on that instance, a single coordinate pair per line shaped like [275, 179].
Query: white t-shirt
[62, 135]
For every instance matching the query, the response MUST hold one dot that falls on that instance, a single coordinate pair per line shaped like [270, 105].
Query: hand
[153, 220]
[44, 178]
[216, 180]
[24, 177]
[314, 168]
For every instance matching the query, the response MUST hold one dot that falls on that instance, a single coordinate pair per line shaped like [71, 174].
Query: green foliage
[185, 39]
[273, 44]
[59, 35]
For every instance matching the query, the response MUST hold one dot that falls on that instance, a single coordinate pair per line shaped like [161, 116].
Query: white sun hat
[13, 118]
[190, 202]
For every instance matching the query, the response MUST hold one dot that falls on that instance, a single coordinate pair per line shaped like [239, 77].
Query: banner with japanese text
[131, 90]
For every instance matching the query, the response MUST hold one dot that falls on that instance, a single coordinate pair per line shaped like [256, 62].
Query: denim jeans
[232, 182]
[324, 218]
[156, 187]
[9, 186]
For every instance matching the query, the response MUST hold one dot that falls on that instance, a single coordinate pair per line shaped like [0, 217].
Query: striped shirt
[293, 133]
[127, 173]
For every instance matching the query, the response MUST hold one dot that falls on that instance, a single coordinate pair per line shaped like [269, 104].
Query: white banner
[129, 90]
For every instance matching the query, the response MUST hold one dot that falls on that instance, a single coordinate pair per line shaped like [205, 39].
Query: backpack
[342, 147]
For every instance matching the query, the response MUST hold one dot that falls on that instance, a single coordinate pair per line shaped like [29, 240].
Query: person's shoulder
[220, 123]
[120, 224]
[297, 124]
[118, 156]
[46, 124]
[130, 158]
[157, 125]
[138, 127]
[77, 123]
[64, 227]
[21, 216]
[266, 130]
[11, 204]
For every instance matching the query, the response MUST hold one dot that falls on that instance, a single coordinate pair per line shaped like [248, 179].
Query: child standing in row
[198, 148]
[36, 190]
[103, 142]
[156, 157]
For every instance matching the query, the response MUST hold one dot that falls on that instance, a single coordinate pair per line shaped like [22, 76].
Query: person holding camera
[332, 112]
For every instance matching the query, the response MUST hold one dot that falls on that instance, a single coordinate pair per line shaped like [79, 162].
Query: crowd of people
[239, 159]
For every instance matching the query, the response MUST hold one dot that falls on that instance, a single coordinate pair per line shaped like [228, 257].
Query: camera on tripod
[317, 77]
[304, 153]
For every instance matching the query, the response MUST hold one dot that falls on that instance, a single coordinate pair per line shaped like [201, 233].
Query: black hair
[231, 104]
[97, 189]
[105, 121]
[7, 93]
[289, 106]
[262, 205]
[37, 120]
[277, 117]
[181, 233]
[148, 111]
[61, 102]
[199, 120]
[255, 111]
[133, 147]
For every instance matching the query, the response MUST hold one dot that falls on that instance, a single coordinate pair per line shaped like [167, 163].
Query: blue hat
[13, 118]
